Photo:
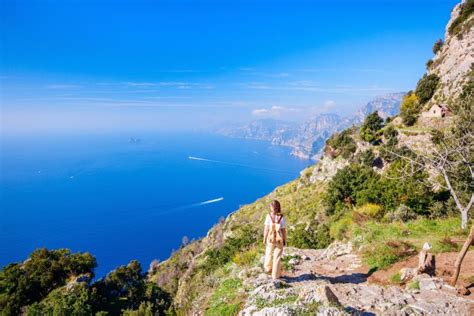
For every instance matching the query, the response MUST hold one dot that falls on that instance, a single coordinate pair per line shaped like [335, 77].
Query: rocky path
[334, 281]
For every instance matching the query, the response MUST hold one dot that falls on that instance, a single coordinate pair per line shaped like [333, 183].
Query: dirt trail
[362, 294]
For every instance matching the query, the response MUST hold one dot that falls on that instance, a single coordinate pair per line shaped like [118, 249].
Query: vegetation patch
[227, 299]
[288, 300]
[396, 278]
[285, 261]
[247, 258]
[218, 257]
[457, 25]
[369, 131]
[414, 285]
[386, 243]
[410, 108]
[58, 282]
[341, 144]
[426, 87]
[309, 236]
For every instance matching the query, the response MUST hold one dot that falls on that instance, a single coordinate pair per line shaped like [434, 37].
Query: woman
[274, 237]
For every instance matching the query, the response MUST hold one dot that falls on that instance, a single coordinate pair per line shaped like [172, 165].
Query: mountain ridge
[307, 139]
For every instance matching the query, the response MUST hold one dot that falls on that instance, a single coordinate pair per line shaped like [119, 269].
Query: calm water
[121, 200]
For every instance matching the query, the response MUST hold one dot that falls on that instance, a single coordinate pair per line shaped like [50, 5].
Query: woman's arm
[265, 234]
[283, 234]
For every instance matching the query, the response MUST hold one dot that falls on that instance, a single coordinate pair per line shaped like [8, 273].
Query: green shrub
[352, 185]
[426, 87]
[78, 300]
[371, 126]
[437, 46]
[126, 288]
[401, 187]
[370, 210]
[246, 258]
[342, 143]
[40, 283]
[218, 257]
[409, 118]
[340, 228]
[366, 158]
[409, 109]
[311, 237]
[402, 214]
[46, 270]
[429, 63]
[390, 134]
[391, 154]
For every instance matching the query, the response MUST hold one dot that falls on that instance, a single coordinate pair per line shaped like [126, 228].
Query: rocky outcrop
[327, 168]
[455, 59]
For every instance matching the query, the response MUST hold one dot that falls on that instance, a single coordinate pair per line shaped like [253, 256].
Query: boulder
[407, 274]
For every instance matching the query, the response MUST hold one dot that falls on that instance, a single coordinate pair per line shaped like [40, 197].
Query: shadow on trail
[355, 311]
[354, 278]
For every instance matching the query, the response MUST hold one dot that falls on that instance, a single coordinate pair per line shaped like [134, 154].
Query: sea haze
[121, 199]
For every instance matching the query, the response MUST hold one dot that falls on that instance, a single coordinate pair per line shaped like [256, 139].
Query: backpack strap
[273, 219]
[281, 217]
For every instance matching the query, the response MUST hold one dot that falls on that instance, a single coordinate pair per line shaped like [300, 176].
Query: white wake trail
[203, 159]
[210, 201]
[238, 165]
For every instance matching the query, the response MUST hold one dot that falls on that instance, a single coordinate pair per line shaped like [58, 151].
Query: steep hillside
[454, 57]
[370, 191]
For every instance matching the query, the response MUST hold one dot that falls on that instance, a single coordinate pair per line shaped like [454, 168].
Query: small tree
[372, 125]
[426, 87]
[437, 46]
[409, 109]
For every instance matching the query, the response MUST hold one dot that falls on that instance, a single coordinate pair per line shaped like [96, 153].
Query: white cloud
[329, 104]
[275, 111]
[259, 112]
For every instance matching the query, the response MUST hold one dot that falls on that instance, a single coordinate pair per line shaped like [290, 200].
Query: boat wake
[238, 165]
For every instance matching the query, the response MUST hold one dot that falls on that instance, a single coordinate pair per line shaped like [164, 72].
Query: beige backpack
[275, 230]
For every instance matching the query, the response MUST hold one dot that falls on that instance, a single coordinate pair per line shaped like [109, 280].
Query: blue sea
[123, 199]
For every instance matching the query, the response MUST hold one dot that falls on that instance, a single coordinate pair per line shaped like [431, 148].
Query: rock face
[455, 58]
[387, 106]
[327, 168]
[308, 139]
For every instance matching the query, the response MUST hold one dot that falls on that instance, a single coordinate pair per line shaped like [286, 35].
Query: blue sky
[104, 64]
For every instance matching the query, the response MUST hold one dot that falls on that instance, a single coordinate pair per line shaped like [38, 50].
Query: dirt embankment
[444, 269]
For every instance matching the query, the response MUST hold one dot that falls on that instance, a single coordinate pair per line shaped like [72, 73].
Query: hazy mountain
[308, 138]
